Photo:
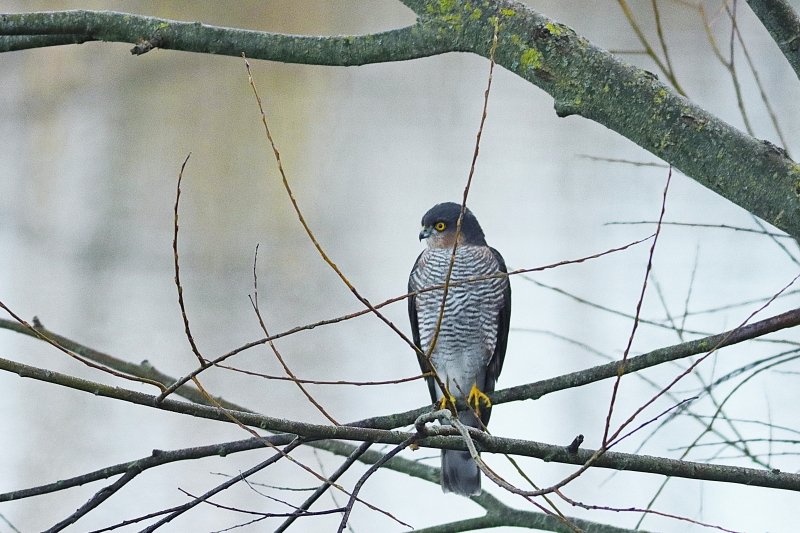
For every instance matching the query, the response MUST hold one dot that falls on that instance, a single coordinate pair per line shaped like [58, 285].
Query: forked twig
[95, 501]
[227, 484]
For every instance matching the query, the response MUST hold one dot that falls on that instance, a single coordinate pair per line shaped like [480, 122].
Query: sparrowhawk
[471, 343]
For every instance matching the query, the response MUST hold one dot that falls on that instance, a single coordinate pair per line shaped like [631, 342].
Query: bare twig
[374, 468]
[306, 505]
[292, 377]
[646, 511]
[665, 68]
[307, 228]
[638, 310]
[188, 331]
[180, 382]
[36, 333]
[216, 490]
[696, 225]
[263, 515]
[321, 382]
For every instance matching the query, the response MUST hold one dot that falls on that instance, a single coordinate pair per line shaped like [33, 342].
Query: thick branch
[439, 438]
[498, 512]
[588, 81]
[783, 25]
[533, 391]
[521, 392]
[79, 26]
[142, 370]
[650, 359]
[582, 78]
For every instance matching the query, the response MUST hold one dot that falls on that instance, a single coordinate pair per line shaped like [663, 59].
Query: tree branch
[79, 26]
[582, 78]
[783, 24]
[530, 391]
[440, 437]
[534, 391]
[143, 370]
[500, 513]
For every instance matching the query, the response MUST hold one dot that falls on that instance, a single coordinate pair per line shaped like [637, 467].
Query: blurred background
[91, 143]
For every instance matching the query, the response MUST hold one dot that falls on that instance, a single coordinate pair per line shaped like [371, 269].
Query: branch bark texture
[439, 439]
[582, 78]
[783, 24]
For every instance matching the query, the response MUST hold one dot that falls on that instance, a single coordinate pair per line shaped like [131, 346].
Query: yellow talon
[475, 397]
[445, 400]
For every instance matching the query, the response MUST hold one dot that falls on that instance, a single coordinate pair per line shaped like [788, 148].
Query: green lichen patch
[531, 58]
[554, 29]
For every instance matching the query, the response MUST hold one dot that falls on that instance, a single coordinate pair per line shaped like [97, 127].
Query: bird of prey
[468, 351]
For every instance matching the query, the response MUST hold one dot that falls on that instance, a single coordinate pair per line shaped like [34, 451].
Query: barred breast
[468, 332]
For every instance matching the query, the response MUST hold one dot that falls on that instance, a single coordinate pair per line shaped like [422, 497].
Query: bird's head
[439, 227]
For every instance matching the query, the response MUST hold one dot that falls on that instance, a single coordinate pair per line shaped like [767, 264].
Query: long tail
[460, 473]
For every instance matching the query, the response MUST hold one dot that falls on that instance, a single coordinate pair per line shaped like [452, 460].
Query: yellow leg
[475, 397]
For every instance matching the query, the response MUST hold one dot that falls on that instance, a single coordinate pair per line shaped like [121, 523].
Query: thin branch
[306, 505]
[446, 393]
[261, 514]
[188, 331]
[292, 377]
[307, 228]
[363, 479]
[576, 503]
[761, 90]
[34, 332]
[322, 382]
[158, 458]
[638, 310]
[142, 370]
[665, 68]
[623, 161]
[196, 501]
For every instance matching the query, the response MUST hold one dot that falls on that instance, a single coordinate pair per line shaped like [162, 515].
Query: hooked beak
[425, 233]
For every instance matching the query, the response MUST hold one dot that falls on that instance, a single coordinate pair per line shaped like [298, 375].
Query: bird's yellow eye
[440, 226]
